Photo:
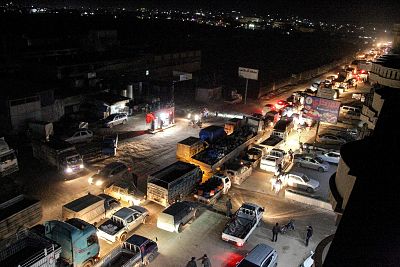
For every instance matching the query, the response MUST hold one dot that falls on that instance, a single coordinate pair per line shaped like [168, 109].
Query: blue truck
[212, 133]
[78, 240]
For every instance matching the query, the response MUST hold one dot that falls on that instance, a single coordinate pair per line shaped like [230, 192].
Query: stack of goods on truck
[209, 191]
[212, 133]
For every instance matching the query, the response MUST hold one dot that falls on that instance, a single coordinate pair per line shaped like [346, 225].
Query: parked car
[115, 119]
[311, 161]
[331, 139]
[261, 255]
[111, 172]
[83, 135]
[281, 104]
[267, 108]
[301, 181]
[331, 157]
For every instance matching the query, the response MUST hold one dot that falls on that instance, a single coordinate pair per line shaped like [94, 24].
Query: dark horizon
[339, 11]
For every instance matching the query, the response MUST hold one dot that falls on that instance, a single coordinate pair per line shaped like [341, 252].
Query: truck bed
[110, 227]
[239, 227]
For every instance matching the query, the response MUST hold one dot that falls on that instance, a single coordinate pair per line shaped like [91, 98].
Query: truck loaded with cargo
[283, 127]
[273, 141]
[173, 218]
[243, 223]
[18, 212]
[212, 133]
[173, 182]
[8, 159]
[237, 172]
[212, 189]
[27, 249]
[272, 160]
[99, 148]
[90, 208]
[189, 147]
[74, 236]
[59, 154]
[121, 223]
[136, 251]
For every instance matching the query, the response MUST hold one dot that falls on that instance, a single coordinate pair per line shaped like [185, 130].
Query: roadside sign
[247, 73]
[327, 93]
[321, 109]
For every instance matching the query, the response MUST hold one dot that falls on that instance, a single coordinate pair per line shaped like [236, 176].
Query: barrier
[290, 194]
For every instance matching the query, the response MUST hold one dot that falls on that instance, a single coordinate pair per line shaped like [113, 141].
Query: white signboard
[247, 73]
[327, 93]
[183, 76]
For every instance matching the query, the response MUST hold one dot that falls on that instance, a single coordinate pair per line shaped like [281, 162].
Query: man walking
[309, 234]
[192, 262]
[290, 152]
[228, 207]
[275, 231]
[205, 261]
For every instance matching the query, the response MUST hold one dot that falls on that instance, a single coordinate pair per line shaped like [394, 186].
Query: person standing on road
[192, 262]
[228, 207]
[205, 261]
[275, 231]
[290, 152]
[309, 234]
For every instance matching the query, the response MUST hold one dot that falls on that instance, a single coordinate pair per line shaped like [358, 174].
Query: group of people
[205, 261]
[276, 229]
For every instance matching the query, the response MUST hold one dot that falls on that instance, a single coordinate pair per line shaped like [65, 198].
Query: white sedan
[79, 136]
[331, 157]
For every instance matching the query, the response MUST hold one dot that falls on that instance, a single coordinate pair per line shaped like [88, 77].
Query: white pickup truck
[271, 161]
[211, 190]
[243, 223]
[121, 223]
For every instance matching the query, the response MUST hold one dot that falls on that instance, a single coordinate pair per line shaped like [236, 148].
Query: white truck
[212, 189]
[243, 223]
[237, 172]
[272, 160]
[121, 223]
[8, 159]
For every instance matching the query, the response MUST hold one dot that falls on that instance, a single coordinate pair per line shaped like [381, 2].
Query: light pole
[245, 92]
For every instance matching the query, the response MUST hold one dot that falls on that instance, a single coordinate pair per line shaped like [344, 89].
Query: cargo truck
[212, 189]
[271, 161]
[78, 240]
[173, 218]
[8, 159]
[237, 172]
[136, 251]
[212, 133]
[27, 249]
[59, 154]
[189, 147]
[90, 208]
[173, 182]
[272, 142]
[283, 127]
[243, 223]
[18, 212]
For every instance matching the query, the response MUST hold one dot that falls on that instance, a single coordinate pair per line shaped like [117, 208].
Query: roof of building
[389, 61]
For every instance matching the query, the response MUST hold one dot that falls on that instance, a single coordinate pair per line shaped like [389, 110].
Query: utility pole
[245, 92]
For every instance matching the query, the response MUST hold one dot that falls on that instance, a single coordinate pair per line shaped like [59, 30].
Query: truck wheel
[150, 258]
[88, 264]
[320, 169]
[180, 228]
[309, 190]
[123, 237]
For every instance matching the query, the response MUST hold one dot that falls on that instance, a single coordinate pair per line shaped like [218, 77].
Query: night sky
[360, 11]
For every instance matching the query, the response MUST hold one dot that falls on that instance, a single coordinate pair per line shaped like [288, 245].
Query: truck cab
[78, 240]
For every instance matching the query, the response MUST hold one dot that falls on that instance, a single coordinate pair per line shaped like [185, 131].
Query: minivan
[261, 255]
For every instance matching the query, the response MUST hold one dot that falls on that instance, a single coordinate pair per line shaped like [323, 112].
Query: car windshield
[305, 178]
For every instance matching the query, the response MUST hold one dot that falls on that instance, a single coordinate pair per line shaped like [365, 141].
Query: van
[261, 255]
[346, 109]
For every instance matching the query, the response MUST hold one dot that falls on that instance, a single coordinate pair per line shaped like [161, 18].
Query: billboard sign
[247, 73]
[327, 93]
[321, 109]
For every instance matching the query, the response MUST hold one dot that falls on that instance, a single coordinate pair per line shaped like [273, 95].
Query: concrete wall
[308, 200]
[24, 110]
[344, 182]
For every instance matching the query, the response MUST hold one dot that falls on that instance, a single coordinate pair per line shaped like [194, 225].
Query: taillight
[239, 244]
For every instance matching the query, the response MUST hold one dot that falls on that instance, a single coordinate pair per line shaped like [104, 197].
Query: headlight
[81, 166]
[98, 183]
[189, 115]
[68, 170]
[90, 180]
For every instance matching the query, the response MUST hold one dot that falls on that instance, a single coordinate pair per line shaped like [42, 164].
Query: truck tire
[180, 228]
[123, 237]
[88, 264]
[150, 258]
